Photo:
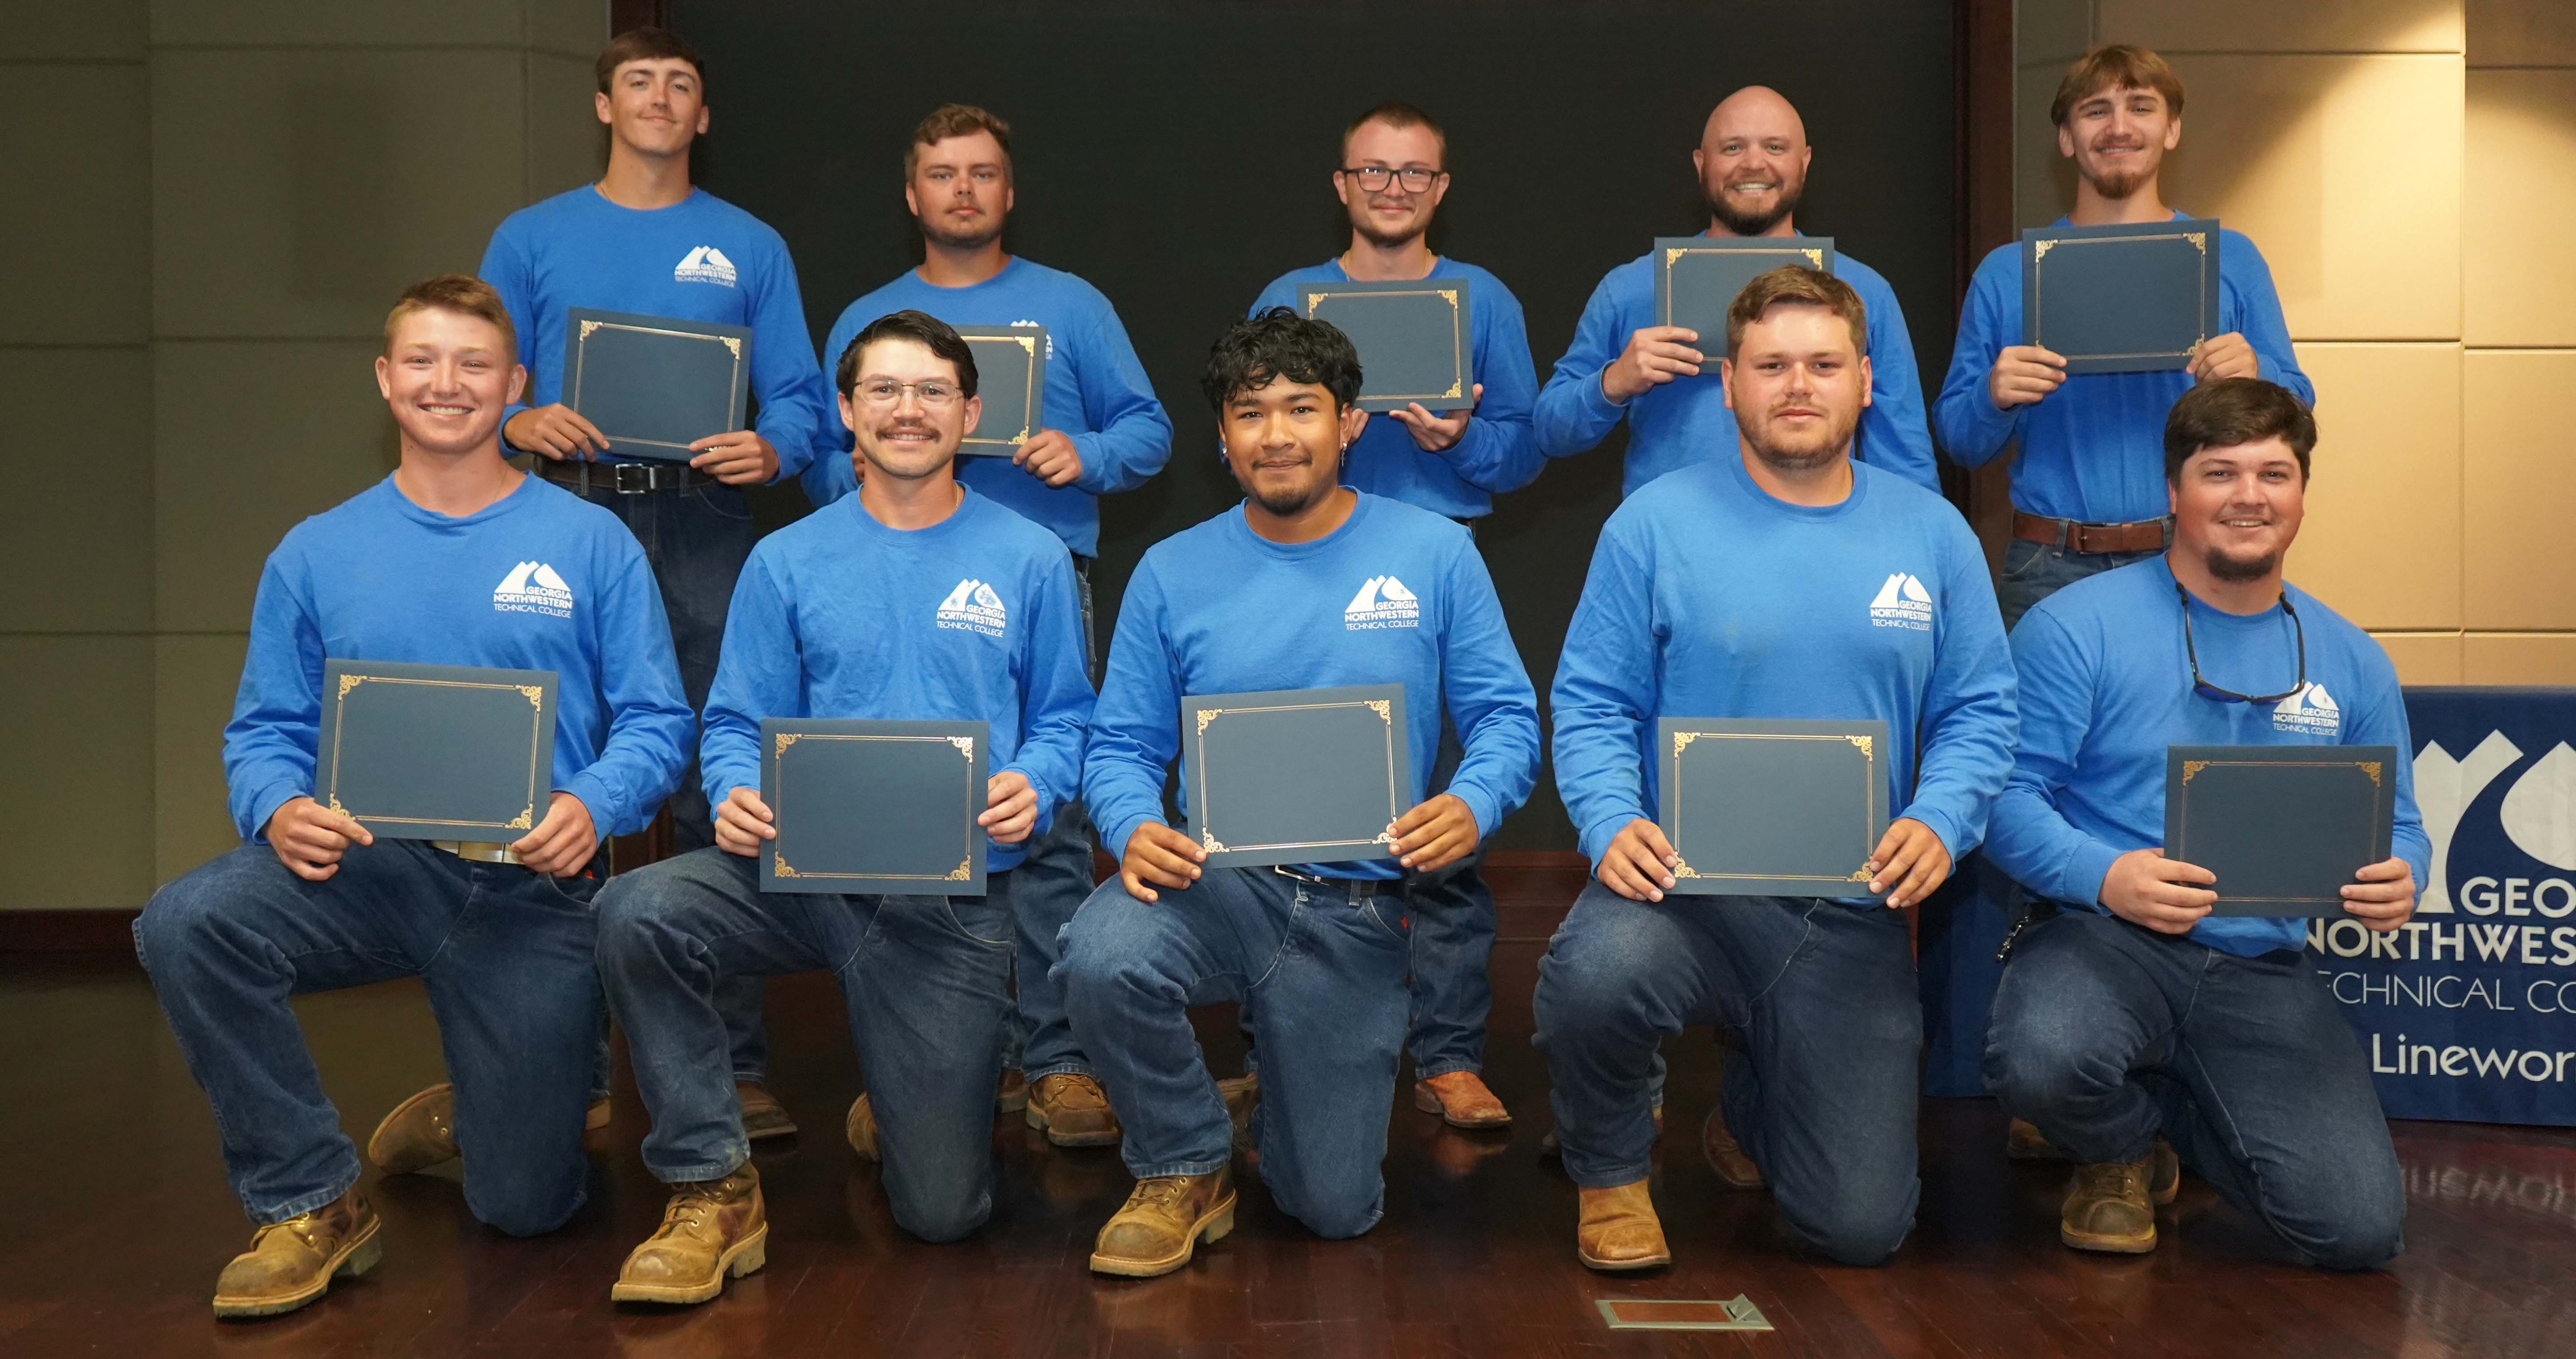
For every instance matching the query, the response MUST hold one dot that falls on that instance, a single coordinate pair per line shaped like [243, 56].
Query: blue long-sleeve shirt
[1685, 421]
[2106, 686]
[1096, 392]
[1498, 452]
[973, 619]
[1396, 595]
[538, 580]
[2094, 449]
[700, 259]
[1709, 598]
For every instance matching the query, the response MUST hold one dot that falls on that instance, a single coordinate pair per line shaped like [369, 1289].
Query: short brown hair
[2115, 66]
[2235, 411]
[956, 120]
[461, 293]
[920, 327]
[1396, 113]
[1798, 286]
[649, 44]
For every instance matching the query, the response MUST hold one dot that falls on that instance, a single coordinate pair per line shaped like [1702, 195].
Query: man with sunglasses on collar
[2138, 1031]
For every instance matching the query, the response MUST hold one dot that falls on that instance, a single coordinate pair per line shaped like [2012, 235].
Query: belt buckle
[633, 478]
[1285, 871]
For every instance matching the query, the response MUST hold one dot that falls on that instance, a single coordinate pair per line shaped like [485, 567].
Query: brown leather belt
[480, 851]
[2145, 535]
[625, 478]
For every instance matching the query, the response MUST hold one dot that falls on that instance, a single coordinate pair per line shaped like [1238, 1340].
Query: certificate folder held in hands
[1417, 339]
[2121, 299]
[1296, 776]
[883, 807]
[436, 752]
[652, 384]
[1010, 376]
[1772, 808]
[2283, 827]
[1697, 279]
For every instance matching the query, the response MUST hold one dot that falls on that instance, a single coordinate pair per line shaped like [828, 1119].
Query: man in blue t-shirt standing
[2132, 1024]
[1307, 584]
[1391, 177]
[1104, 433]
[455, 559]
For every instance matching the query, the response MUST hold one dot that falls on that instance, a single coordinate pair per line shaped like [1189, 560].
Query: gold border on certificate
[1199, 805]
[1457, 337]
[1028, 344]
[581, 359]
[536, 732]
[1813, 257]
[965, 868]
[2199, 241]
[1673, 779]
[2192, 768]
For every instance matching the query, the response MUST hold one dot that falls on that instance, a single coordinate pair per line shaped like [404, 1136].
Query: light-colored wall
[2406, 167]
[234, 191]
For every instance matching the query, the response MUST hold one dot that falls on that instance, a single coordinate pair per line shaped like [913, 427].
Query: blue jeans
[1453, 941]
[1321, 968]
[922, 976]
[1822, 1094]
[2034, 571]
[1051, 884]
[505, 955]
[2106, 1034]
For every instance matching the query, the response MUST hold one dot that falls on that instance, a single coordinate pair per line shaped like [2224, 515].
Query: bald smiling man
[1752, 165]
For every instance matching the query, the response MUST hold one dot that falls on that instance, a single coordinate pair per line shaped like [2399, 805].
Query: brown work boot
[1012, 1095]
[2164, 1173]
[1618, 1229]
[1462, 1101]
[1725, 1154]
[1242, 1095]
[596, 1116]
[710, 1229]
[762, 1114]
[291, 1263]
[1549, 1146]
[1164, 1220]
[418, 1134]
[2108, 1209]
[861, 1128]
[2023, 1142]
[1072, 1111]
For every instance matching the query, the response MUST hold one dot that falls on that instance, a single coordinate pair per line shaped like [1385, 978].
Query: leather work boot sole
[762, 1115]
[711, 1231]
[749, 1254]
[596, 1117]
[1618, 1230]
[1012, 1095]
[1462, 1100]
[860, 1126]
[2108, 1208]
[1071, 1110]
[2164, 1174]
[2023, 1142]
[1163, 1223]
[1725, 1155]
[293, 1263]
[418, 1134]
[1242, 1095]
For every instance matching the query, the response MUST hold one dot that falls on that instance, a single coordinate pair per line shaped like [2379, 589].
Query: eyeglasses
[2208, 690]
[1373, 178]
[931, 392]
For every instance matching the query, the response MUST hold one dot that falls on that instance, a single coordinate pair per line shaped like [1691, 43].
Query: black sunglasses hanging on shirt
[2208, 690]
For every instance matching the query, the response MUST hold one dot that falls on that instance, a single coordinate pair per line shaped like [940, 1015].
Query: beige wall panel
[78, 730]
[2296, 26]
[573, 28]
[76, 523]
[2420, 657]
[2520, 658]
[2522, 33]
[296, 192]
[566, 145]
[2043, 181]
[337, 23]
[2518, 461]
[75, 139]
[90, 30]
[195, 678]
[2517, 281]
[2381, 542]
[2304, 155]
[250, 438]
[2051, 31]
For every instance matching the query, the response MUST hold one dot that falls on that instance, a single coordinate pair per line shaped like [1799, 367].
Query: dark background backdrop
[1178, 155]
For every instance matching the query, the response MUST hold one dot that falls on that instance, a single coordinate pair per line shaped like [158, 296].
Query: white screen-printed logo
[533, 587]
[1382, 602]
[706, 264]
[974, 607]
[2310, 712]
[1902, 603]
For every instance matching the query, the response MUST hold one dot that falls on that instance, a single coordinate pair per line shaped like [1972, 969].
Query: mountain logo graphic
[1902, 603]
[533, 587]
[974, 607]
[2537, 815]
[705, 264]
[1382, 602]
[2310, 711]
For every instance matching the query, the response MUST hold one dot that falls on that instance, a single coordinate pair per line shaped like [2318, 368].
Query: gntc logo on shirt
[1382, 602]
[974, 607]
[1902, 603]
[706, 264]
[2309, 712]
[533, 587]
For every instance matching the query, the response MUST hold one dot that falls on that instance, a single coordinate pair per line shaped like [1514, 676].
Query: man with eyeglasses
[1752, 164]
[2139, 1032]
[1391, 180]
[1105, 433]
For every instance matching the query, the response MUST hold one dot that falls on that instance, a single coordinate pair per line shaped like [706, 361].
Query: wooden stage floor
[119, 1220]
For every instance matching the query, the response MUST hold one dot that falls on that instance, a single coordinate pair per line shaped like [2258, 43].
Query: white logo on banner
[1902, 603]
[706, 264]
[974, 607]
[533, 587]
[1382, 602]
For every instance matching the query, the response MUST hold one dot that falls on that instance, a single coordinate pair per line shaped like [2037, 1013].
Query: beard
[2122, 181]
[948, 238]
[1284, 501]
[2238, 570]
[1805, 454]
[1755, 224]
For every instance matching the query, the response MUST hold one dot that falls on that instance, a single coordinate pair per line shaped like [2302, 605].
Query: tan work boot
[1242, 1095]
[2164, 1174]
[2108, 1208]
[710, 1229]
[861, 1128]
[418, 1134]
[762, 1114]
[1726, 1155]
[1618, 1229]
[1462, 1100]
[291, 1263]
[596, 1116]
[2023, 1142]
[1012, 1095]
[1549, 1146]
[1072, 1111]
[1164, 1220]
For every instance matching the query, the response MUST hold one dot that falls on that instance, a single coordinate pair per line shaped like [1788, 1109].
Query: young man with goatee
[1752, 162]
[2137, 1030]
[419, 569]
[1748, 588]
[1390, 178]
[843, 615]
[1259, 598]
[1105, 433]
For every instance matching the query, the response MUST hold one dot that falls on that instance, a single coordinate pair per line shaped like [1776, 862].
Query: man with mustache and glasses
[1752, 164]
[1106, 433]
[1391, 179]
[2132, 1024]
[1745, 589]
[1263, 597]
